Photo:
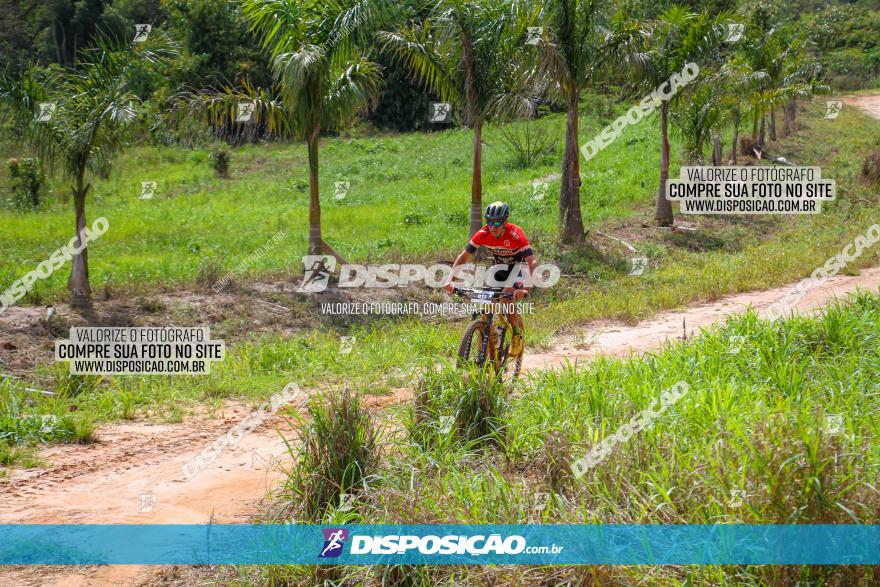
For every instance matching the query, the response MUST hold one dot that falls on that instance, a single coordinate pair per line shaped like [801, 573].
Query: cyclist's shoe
[517, 342]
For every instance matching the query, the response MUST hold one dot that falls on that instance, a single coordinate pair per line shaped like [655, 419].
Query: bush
[453, 405]
[871, 167]
[27, 178]
[528, 142]
[338, 451]
[220, 162]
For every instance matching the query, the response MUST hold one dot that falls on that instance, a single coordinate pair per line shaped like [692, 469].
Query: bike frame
[487, 317]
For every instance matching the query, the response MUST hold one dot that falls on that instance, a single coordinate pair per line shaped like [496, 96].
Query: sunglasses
[495, 224]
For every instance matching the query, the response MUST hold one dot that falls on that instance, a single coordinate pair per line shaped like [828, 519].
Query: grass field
[197, 219]
[778, 427]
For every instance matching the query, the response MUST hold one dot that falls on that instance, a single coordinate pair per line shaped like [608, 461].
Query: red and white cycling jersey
[511, 247]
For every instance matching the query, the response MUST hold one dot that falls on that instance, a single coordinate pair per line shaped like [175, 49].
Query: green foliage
[847, 43]
[450, 406]
[26, 178]
[528, 142]
[336, 452]
[220, 162]
[217, 46]
[871, 167]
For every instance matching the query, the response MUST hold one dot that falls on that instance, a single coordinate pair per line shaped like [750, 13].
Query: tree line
[318, 66]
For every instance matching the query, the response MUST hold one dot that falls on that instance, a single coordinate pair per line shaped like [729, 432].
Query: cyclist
[509, 246]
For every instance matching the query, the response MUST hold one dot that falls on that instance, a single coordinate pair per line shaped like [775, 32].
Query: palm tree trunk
[477, 179]
[717, 151]
[78, 282]
[732, 157]
[756, 118]
[570, 218]
[762, 133]
[788, 117]
[315, 239]
[773, 124]
[663, 212]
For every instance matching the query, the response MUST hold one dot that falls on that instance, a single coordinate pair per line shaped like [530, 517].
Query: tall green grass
[781, 426]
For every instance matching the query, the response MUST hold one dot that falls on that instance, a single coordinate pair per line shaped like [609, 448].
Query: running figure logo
[318, 269]
[334, 540]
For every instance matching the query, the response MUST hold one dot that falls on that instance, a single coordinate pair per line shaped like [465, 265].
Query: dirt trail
[133, 473]
[868, 103]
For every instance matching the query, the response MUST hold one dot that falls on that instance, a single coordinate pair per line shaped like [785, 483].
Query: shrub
[871, 167]
[220, 162]
[452, 405]
[338, 451]
[27, 178]
[528, 142]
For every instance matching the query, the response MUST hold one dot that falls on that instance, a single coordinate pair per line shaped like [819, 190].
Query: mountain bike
[492, 332]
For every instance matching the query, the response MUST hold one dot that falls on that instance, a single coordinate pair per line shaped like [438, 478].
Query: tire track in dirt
[105, 482]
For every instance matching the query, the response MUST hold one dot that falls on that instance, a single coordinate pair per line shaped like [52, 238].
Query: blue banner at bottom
[440, 544]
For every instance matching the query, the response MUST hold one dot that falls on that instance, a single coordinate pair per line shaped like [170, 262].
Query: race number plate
[482, 297]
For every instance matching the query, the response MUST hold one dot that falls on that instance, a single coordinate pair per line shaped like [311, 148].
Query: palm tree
[323, 72]
[737, 80]
[578, 47]
[677, 37]
[786, 74]
[699, 116]
[468, 53]
[94, 106]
